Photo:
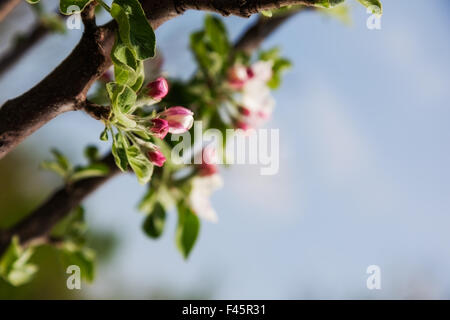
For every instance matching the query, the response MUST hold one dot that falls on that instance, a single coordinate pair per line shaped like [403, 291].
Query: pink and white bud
[179, 119]
[158, 89]
[209, 162]
[159, 127]
[262, 70]
[238, 75]
[156, 157]
[244, 111]
[242, 125]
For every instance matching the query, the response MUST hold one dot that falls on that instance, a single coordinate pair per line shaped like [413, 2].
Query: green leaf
[327, 3]
[374, 5]
[267, 13]
[123, 99]
[65, 6]
[134, 28]
[91, 153]
[119, 153]
[187, 229]
[60, 166]
[82, 257]
[33, 1]
[72, 227]
[55, 167]
[140, 164]
[279, 67]
[90, 171]
[62, 160]
[217, 35]
[14, 266]
[154, 222]
[104, 135]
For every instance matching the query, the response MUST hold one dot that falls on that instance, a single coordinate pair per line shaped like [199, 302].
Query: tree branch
[37, 226]
[65, 88]
[24, 43]
[6, 6]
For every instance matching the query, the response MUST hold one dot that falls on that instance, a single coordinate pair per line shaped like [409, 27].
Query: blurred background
[364, 176]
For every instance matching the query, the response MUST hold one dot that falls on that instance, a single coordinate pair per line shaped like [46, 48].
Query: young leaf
[91, 153]
[267, 13]
[68, 6]
[62, 160]
[217, 35]
[141, 166]
[328, 3]
[134, 28]
[90, 171]
[119, 153]
[83, 257]
[104, 135]
[187, 229]
[154, 222]
[374, 5]
[14, 266]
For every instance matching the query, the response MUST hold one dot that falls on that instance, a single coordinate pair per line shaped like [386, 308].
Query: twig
[6, 6]
[36, 227]
[65, 88]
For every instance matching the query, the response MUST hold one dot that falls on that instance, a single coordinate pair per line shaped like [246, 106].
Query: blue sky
[364, 176]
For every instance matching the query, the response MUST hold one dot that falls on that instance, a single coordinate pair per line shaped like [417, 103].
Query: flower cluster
[174, 120]
[256, 104]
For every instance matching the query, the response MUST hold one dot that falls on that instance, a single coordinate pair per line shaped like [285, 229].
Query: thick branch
[65, 88]
[6, 6]
[26, 42]
[38, 224]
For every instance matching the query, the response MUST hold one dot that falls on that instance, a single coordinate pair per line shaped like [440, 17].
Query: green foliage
[134, 28]
[84, 258]
[14, 264]
[154, 222]
[375, 5]
[211, 46]
[62, 166]
[328, 3]
[187, 229]
[280, 65]
[65, 6]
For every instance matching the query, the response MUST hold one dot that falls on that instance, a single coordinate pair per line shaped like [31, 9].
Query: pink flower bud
[242, 125]
[158, 89]
[159, 128]
[244, 111]
[179, 119]
[238, 75]
[156, 157]
[208, 166]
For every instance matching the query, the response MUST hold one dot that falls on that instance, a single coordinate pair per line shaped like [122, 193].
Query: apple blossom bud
[159, 128]
[209, 159]
[244, 111]
[156, 157]
[242, 125]
[238, 76]
[179, 119]
[158, 89]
